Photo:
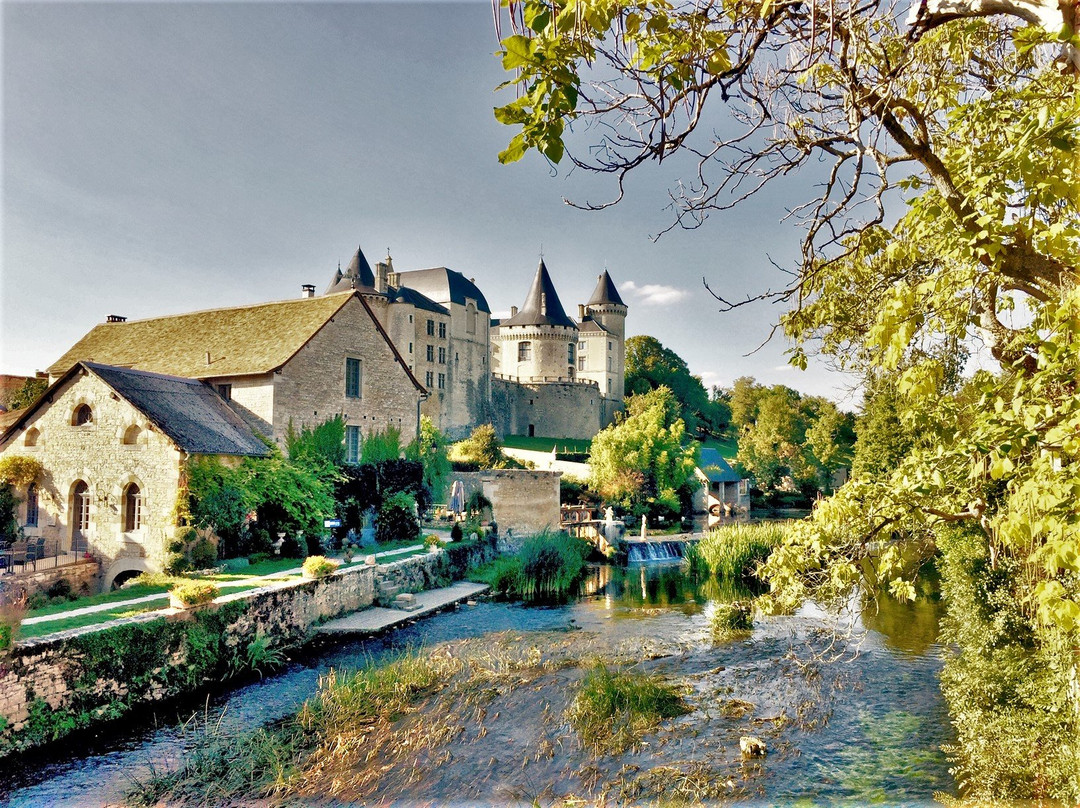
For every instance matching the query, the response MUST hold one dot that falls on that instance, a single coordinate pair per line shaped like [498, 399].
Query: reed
[548, 567]
[736, 551]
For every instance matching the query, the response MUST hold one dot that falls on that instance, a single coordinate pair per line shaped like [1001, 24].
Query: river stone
[751, 746]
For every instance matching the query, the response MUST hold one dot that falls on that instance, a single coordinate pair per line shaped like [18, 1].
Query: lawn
[561, 445]
[727, 446]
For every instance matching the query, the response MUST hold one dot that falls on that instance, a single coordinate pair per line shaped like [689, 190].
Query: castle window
[225, 391]
[410, 347]
[429, 379]
[133, 508]
[470, 318]
[581, 346]
[33, 435]
[83, 415]
[609, 364]
[431, 328]
[524, 351]
[609, 387]
[430, 353]
[353, 378]
[131, 435]
[570, 353]
[570, 373]
[352, 444]
[442, 381]
[442, 330]
[442, 356]
[32, 505]
[610, 346]
[581, 363]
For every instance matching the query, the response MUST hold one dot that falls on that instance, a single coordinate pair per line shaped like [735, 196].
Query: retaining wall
[58, 684]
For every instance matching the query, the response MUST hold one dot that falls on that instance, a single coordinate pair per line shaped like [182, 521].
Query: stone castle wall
[523, 502]
[561, 410]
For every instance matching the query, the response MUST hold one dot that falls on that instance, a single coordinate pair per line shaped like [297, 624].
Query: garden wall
[52, 686]
[523, 502]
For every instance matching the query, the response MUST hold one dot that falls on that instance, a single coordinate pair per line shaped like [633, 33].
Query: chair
[18, 553]
[35, 550]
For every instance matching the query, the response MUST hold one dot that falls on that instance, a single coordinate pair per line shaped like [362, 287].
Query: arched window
[524, 351]
[32, 505]
[131, 435]
[32, 436]
[80, 516]
[83, 415]
[470, 318]
[133, 505]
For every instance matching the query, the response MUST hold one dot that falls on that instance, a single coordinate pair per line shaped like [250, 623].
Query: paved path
[104, 607]
[377, 619]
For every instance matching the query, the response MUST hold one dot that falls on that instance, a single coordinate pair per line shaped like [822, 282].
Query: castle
[537, 372]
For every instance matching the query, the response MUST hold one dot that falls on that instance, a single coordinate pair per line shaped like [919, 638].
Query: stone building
[295, 362]
[439, 320]
[555, 376]
[112, 443]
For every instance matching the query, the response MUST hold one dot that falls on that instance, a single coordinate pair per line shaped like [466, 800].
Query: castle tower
[606, 362]
[537, 343]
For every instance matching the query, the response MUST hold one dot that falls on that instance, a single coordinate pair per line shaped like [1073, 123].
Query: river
[856, 719]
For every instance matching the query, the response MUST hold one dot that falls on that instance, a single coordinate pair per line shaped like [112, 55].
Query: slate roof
[542, 305]
[246, 340]
[406, 295]
[712, 464]
[188, 411]
[358, 275]
[444, 286]
[590, 326]
[605, 292]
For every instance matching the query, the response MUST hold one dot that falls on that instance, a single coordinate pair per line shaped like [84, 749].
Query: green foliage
[220, 500]
[640, 463]
[27, 394]
[615, 711]
[288, 496]
[431, 540]
[369, 484]
[882, 438]
[195, 593]
[431, 451]
[456, 532]
[649, 365]
[318, 566]
[9, 510]
[482, 449]
[19, 471]
[548, 567]
[730, 621]
[322, 445]
[735, 551]
[380, 446]
[397, 519]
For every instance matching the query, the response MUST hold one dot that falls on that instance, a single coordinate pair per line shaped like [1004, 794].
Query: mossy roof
[240, 341]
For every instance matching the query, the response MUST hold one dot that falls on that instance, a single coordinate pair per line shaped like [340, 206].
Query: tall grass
[548, 566]
[736, 551]
[612, 711]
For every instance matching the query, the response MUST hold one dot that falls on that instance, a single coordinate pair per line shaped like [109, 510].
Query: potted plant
[318, 567]
[433, 543]
[192, 593]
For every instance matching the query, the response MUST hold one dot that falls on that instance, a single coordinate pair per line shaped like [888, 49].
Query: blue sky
[160, 158]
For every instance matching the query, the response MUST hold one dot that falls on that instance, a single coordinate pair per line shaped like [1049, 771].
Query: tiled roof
[444, 286]
[542, 305]
[206, 344]
[605, 292]
[712, 464]
[187, 410]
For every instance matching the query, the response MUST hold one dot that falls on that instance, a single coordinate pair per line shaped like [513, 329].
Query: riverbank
[63, 683]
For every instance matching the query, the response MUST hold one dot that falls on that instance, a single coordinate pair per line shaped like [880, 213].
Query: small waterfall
[645, 551]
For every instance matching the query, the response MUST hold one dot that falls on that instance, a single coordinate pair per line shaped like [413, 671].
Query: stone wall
[83, 575]
[95, 453]
[522, 502]
[557, 409]
[65, 682]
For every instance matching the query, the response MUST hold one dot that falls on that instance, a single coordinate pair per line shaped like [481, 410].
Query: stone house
[723, 492]
[555, 376]
[112, 443]
[296, 362]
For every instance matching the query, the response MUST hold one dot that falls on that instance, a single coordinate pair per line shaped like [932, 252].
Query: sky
[168, 157]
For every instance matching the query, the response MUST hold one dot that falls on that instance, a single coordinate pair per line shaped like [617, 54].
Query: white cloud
[654, 294]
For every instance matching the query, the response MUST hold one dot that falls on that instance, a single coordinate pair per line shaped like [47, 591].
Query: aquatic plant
[549, 566]
[612, 711]
[731, 621]
[735, 551]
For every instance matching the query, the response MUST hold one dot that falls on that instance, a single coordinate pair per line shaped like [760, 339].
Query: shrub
[318, 566]
[456, 532]
[397, 519]
[731, 620]
[19, 471]
[38, 600]
[735, 551]
[177, 563]
[203, 554]
[291, 547]
[195, 593]
[547, 567]
[313, 544]
[431, 540]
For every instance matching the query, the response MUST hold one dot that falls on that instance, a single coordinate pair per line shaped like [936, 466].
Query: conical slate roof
[605, 292]
[542, 305]
[357, 276]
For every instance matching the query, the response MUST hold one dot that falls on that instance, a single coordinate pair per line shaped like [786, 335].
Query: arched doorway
[80, 517]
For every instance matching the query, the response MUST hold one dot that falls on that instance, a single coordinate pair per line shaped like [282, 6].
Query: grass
[727, 446]
[137, 591]
[735, 551]
[613, 711]
[548, 567]
[731, 621]
[535, 444]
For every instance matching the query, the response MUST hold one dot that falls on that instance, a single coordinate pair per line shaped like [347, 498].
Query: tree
[26, 394]
[961, 114]
[641, 463]
[650, 365]
[882, 440]
[431, 451]
[483, 449]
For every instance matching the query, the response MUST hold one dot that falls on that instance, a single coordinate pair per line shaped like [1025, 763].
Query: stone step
[406, 602]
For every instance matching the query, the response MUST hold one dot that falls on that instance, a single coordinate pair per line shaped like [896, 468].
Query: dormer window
[83, 415]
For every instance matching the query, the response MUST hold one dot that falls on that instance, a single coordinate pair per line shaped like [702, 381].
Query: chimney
[116, 318]
[307, 290]
[513, 311]
[381, 271]
[394, 279]
[581, 311]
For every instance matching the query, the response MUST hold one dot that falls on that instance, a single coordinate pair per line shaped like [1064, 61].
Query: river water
[854, 717]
